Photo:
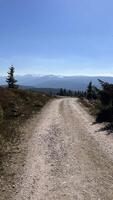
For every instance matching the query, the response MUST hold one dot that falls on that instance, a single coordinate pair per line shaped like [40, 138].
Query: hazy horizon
[60, 75]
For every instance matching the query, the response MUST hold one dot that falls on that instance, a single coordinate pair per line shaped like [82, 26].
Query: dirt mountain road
[67, 158]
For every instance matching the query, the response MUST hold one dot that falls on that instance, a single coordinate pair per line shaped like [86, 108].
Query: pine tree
[65, 92]
[10, 78]
[61, 92]
[105, 96]
[90, 91]
[70, 93]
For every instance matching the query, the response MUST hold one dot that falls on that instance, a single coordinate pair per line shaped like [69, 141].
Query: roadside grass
[16, 106]
[94, 109]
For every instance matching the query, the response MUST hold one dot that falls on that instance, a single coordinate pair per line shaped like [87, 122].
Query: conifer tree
[105, 96]
[61, 92]
[10, 78]
[90, 91]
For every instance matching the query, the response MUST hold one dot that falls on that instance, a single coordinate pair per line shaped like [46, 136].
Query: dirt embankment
[16, 106]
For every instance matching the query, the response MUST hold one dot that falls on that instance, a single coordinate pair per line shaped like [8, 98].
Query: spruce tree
[105, 95]
[10, 78]
[90, 91]
[61, 93]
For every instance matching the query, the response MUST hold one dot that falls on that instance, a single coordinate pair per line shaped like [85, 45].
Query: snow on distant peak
[48, 75]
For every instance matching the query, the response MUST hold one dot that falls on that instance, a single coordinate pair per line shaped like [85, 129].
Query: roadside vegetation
[100, 103]
[16, 106]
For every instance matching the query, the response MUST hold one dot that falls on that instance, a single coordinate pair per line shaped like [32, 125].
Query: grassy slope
[15, 107]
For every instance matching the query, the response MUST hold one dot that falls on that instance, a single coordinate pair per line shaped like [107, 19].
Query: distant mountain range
[52, 81]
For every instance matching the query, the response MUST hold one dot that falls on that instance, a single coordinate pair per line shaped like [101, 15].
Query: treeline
[71, 93]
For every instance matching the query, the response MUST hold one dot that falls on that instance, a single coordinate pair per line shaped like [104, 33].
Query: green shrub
[105, 115]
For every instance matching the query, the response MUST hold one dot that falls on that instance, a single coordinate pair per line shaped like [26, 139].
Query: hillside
[52, 81]
[16, 106]
[20, 103]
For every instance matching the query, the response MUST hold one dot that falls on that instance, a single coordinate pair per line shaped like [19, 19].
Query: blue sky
[69, 37]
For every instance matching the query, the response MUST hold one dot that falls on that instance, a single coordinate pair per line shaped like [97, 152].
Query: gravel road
[68, 157]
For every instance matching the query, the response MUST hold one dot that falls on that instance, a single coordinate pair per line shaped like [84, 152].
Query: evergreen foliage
[90, 91]
[10, 78]
[106, 98]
